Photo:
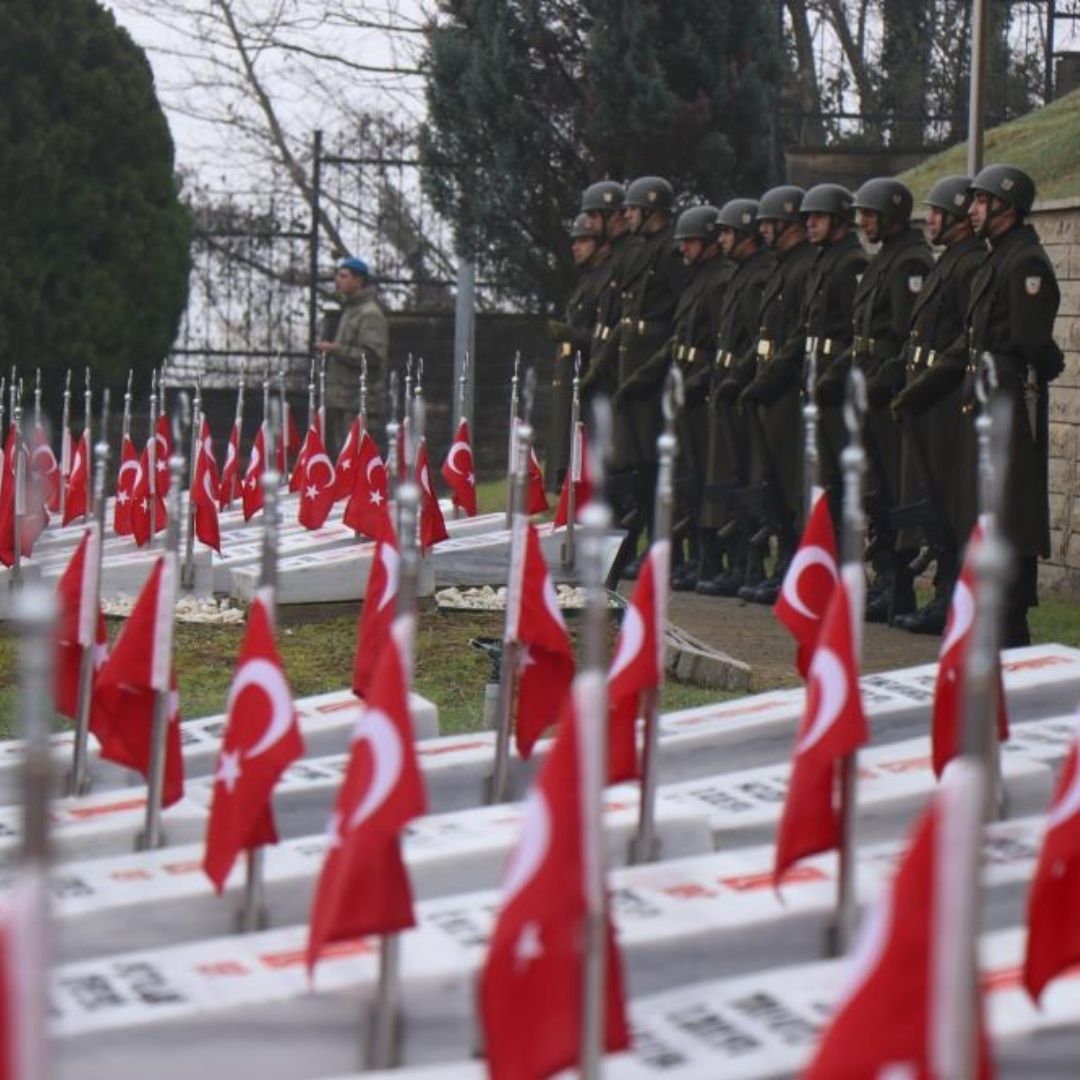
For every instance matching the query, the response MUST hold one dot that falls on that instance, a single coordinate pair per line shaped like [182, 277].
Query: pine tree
[94, 254]
[530, 100]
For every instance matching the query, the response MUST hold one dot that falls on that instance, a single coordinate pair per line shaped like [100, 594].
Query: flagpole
[393, 433]
[322, 397]
[810, 414]
[151, 457]
[286, 447]
[238, 423]
[384, 1033]
[645, 847]
[35, 615]
[126, 428]
[991, 425]
[253, 913]
[312, 403]
[511, 464]
[568, 553]
[508, 667]
[65, 443]
[152, 836]
[19, 473]
[88, 406]
[462, 379]
[596, 520]
[187, 574]
[90, 594]
[3, 398]
[852, 465]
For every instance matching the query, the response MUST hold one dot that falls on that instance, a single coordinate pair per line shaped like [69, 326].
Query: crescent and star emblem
[631, 641]
[387, 757]
[828, 675]
[532, 848]
[812, 555]
[963, 615]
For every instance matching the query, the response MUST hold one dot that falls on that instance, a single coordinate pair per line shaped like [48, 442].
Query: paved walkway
[750, 633]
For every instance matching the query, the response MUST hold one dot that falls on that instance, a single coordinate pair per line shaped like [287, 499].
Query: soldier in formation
[761, 303]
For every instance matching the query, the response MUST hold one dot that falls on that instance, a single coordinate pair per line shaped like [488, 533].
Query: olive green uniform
[362, 331]
[610, 276]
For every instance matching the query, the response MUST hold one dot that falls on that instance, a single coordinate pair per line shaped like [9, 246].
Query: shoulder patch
[1033, 284]
[914, 283]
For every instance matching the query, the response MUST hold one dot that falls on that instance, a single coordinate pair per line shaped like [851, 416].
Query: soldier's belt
[923, 357]
[824, 346]
[602, 331]
[687, 353]
[642, 326]
[723, 359]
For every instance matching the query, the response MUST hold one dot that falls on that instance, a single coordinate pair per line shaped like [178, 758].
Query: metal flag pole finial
[463, 381]
[88, 431]
[125, 430]
[515, 387]
[569, 551]
[362, 406]
[393, 434]
[37, 398]
[65, 443]
[419, 388]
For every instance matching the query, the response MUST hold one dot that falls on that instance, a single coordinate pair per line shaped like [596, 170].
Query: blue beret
[357, 266]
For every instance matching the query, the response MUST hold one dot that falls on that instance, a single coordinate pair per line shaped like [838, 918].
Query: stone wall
[1058, 224]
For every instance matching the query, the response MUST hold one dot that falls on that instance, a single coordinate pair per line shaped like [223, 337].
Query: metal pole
[853, 465]
[187, 574]
[810, 414]
[126, 430]
[151, 456]
[152, 836]
[393, 433]
[464, 336]
[88, 412]
[1048, 80]
[596, 520]
[37, 398]
[511, 465]
[645, 847]
[313, 253]
[19, 473]
[576, 451]
[322, 398]
[311, 399]
[90, 595]
[976, 103]
[65, 443]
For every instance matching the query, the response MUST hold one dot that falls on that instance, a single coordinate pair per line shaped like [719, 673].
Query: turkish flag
[809, 582]
[832, 727]
[230, 475]
[638, 664]
[204, 487]
[80, 622]
[890, 1019]
[534, 965]
[35, 517]
[580, 475]
[164, 451]
[947, 720]
[318, 483]
[78, 482]
[535, 497]
[262, 739]
[545, 658]
[1053, 942]
[125, 487]
[345, 467]
[296, 481]
[139, 667]
[363, 887]
[377, 612]
[24, 970]
[142, 499]
[252, 489]
[367, 510]
[458, 472]
[45, 468]
[432, 524]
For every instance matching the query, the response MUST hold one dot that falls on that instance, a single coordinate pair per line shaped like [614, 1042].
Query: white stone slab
[126, 573]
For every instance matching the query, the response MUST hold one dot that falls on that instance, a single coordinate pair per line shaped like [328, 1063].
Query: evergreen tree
[94, 246]
[530, 100]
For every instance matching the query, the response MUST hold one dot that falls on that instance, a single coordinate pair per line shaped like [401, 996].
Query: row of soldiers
[761, 302]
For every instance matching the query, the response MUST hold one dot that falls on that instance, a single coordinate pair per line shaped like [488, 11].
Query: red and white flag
[580, 475]
[125, 487]
[262, 739]
[432, 524]
[345, 467]
[143, 501]
[535, 961]
[948, 716]
[363, 887]
[458, 472]
[545, 657]
[893, 1019]
[46, 468]
[377, 613]
[809, 582]
[368, 511]
[317, 484]
[1053, 941]
[230, 475]
[638, 664]
[75, 497]
[80, 623]
[252, 489]
[34, 515]
[535, 497]
[833, 726]
[296, 481]
[140, 667]
[164, 451]
[24, 970]
[204, 487]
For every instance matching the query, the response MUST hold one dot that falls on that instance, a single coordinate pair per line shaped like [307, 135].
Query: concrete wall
[1058, 224]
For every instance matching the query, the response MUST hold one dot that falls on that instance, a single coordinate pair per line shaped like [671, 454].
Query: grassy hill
[1045, 143]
